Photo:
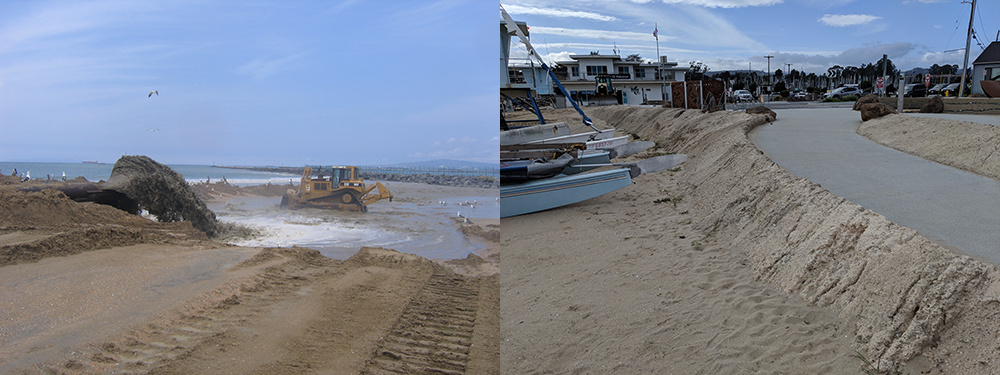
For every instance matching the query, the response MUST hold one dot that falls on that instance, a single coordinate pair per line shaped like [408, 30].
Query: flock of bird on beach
[472, 204]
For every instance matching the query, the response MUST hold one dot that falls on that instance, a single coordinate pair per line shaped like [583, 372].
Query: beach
[730, 264]
[726, 264]
[87, 288]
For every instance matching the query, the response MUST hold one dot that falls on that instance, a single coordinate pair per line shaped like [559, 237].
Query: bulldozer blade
[630, 148]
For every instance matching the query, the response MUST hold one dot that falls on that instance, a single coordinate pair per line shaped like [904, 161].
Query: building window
[593, 70]
[622, 70]
[576, 71]
[640, 73]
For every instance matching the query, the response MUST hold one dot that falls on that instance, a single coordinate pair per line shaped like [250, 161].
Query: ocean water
[418, 221]
[415, 222]
[191, 173]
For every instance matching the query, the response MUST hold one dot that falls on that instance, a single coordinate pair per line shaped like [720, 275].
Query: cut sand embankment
[968, 146]
[904, 294]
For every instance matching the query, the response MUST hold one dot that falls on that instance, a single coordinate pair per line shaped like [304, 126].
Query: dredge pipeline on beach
[906, 294]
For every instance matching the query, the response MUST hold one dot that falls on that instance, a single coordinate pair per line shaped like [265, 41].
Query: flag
[655, 29]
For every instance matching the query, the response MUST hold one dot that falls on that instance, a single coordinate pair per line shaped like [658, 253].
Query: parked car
[841, 92]
[952, 90]
[936, 90]
[915, 90]
[742, 95]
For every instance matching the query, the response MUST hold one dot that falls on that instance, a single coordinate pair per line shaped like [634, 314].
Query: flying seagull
[153, 92]
[153, 130]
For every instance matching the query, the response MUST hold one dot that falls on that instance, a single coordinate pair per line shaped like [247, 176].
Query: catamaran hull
[576, 138]
[544, 194]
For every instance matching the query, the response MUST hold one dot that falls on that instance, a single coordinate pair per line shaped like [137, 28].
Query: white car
[742, 95]
[841, 92]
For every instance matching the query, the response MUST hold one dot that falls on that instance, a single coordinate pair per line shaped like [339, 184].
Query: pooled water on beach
[414, 222]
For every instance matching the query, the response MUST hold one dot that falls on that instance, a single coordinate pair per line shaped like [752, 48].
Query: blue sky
[248, 83]
[812, 35]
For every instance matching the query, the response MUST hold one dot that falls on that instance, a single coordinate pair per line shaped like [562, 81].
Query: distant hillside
[444, 163]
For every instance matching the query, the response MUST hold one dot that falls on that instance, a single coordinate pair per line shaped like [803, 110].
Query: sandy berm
[730, 264]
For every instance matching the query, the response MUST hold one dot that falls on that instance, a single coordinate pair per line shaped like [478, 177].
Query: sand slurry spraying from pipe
[165, 194]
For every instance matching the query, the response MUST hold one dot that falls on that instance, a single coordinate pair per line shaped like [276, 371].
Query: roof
[613, 57]
[990, 55]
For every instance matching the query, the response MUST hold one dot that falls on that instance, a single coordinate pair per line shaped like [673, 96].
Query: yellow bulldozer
[343, 190]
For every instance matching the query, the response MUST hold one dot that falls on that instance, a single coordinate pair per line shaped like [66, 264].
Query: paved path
[957, 208]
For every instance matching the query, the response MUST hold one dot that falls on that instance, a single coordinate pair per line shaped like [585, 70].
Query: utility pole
[968, 40]
[768, 69]
[788, 72]
[885, 65]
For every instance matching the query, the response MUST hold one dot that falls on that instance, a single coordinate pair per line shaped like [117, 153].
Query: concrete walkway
[957, 208]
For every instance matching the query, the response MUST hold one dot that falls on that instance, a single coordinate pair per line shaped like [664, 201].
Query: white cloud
[841, 20]
[550, 12]
[725, 3]
[597, 34]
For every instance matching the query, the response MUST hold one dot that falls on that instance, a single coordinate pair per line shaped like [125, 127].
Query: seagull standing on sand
[460, 214]
[153, 92]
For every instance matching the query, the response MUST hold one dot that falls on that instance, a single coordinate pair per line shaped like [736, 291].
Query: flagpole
[659, 63]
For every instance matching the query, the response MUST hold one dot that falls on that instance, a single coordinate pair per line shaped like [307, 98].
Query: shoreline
[136, 311]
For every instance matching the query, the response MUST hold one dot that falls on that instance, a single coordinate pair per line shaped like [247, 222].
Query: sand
[763, 252]
[968, 146]
[87, 288]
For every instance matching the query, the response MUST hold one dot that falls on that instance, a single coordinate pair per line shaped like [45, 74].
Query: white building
[640, 82]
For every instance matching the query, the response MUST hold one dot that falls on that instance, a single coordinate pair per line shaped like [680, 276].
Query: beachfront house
[641, 82]
[986, 67]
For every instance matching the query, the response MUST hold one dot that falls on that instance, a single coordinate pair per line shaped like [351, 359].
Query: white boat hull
[576, 138]
[549, 193]
[596, 146]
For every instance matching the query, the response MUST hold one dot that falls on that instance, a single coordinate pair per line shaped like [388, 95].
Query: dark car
[936, 89]
[915, 90]
[951, 90]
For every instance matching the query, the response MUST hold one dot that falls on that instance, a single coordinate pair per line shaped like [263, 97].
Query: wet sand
[161, 298]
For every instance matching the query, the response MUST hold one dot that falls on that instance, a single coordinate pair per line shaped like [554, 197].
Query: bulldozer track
[434, 333]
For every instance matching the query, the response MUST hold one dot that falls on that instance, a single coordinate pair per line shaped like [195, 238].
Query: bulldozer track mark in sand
[435, 332]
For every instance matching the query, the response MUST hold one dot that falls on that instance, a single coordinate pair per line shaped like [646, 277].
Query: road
[954, 207]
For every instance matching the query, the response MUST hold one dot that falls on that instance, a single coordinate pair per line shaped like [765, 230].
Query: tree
[696, 72]
[633, 57]
[561, 71]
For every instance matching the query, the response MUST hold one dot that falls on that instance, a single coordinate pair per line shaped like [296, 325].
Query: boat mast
[968, 42]
[512, 28]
